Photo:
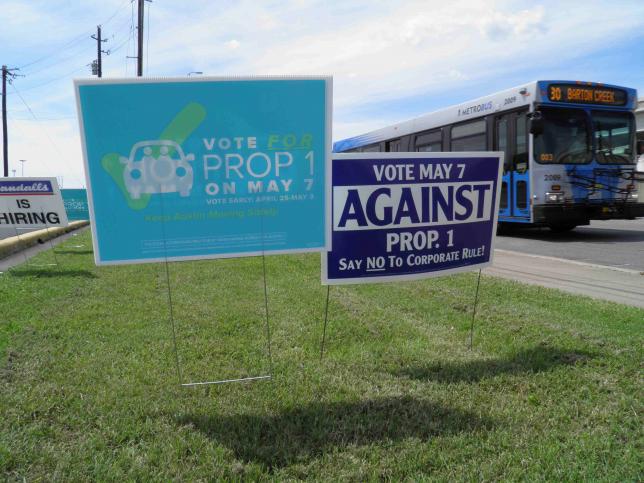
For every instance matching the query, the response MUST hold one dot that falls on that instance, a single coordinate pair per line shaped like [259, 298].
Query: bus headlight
[632, 196]
[556, 197]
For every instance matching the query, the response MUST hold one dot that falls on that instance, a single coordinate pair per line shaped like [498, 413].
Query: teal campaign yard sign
[75, 201]
[181, 169]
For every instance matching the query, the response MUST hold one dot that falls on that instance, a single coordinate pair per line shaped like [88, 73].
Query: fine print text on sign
[182, 169]
[75, 201]
[396, 216]
[31, 203]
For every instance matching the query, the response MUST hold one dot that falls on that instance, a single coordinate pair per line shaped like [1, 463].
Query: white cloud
[377, 50]
[232, 44]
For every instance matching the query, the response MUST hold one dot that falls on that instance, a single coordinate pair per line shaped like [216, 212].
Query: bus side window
[502, 140]
[428, 142]
[469, 136]
[521, 153]
[372, 148]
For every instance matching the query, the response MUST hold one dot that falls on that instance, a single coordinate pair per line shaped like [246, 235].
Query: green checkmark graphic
[183, 124]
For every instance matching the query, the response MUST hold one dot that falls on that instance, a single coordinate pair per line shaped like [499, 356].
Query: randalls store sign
[31, 203]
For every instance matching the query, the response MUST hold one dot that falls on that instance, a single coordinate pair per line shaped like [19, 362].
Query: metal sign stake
[173, 325]
[326, 316]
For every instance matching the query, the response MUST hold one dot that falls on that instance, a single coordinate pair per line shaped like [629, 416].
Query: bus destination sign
[579, 94]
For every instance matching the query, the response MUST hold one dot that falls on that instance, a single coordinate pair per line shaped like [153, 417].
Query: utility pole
[5, 142]
[139, 59]
[99, 63]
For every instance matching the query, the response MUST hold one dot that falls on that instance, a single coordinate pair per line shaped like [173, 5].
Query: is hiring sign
[406, 216]
[31, 203]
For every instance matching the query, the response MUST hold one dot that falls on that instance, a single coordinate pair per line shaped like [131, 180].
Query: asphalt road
[614, 243]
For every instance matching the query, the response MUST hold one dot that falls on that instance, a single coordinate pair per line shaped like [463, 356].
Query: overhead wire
[58, 49]
[71, 42]
[37, 86]
[115, 12]
[60, 61]
[122, 44]
[18, 127]
[54, 145]
[130, 38]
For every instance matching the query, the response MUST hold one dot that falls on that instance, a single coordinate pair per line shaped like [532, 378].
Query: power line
[38, 86]
[76, 39]
[18, 127]
[127, 56]
[115, 12]
[74, 54]
[60, 62]
[125, 27]
[58, 49]
[44, 130]
[120, 46]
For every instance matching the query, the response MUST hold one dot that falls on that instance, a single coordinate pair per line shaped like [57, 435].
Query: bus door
[511, 138]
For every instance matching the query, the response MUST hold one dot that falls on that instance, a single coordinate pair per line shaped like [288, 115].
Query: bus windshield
[565, 138]
[613, 134]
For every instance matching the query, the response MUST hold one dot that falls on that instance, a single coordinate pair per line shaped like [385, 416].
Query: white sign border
[328, 80]
[493, 155]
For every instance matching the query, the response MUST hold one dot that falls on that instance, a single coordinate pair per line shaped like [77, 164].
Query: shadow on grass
[302, 433]
[51, 273]
[73, 252]
[537, 359]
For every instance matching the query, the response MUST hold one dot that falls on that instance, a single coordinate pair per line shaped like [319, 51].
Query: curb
[14, 244]
[572, 262]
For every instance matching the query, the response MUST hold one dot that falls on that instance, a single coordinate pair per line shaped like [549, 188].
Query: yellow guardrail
[14, 244]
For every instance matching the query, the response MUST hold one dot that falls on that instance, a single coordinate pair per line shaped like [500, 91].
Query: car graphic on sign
[158, 166]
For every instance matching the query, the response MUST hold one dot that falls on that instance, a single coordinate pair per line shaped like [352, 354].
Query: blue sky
[390, 60]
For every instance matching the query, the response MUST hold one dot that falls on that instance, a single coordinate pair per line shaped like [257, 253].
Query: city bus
[570, 149]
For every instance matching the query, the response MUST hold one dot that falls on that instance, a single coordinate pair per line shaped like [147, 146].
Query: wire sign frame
[181, 169]
[173, 324]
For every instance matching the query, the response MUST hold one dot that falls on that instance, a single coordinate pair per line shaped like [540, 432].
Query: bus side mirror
[640, 147]
[535, 122]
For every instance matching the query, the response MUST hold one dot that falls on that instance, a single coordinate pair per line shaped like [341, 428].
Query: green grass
[88, 385]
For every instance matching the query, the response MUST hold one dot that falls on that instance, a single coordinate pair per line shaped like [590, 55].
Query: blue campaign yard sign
[401, 216]
[181, 169]
[75, 201]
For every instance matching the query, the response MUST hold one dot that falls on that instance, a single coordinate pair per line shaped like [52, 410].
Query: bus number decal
[509, 100]
[547, 157]
[555, 93]
[552, 177]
